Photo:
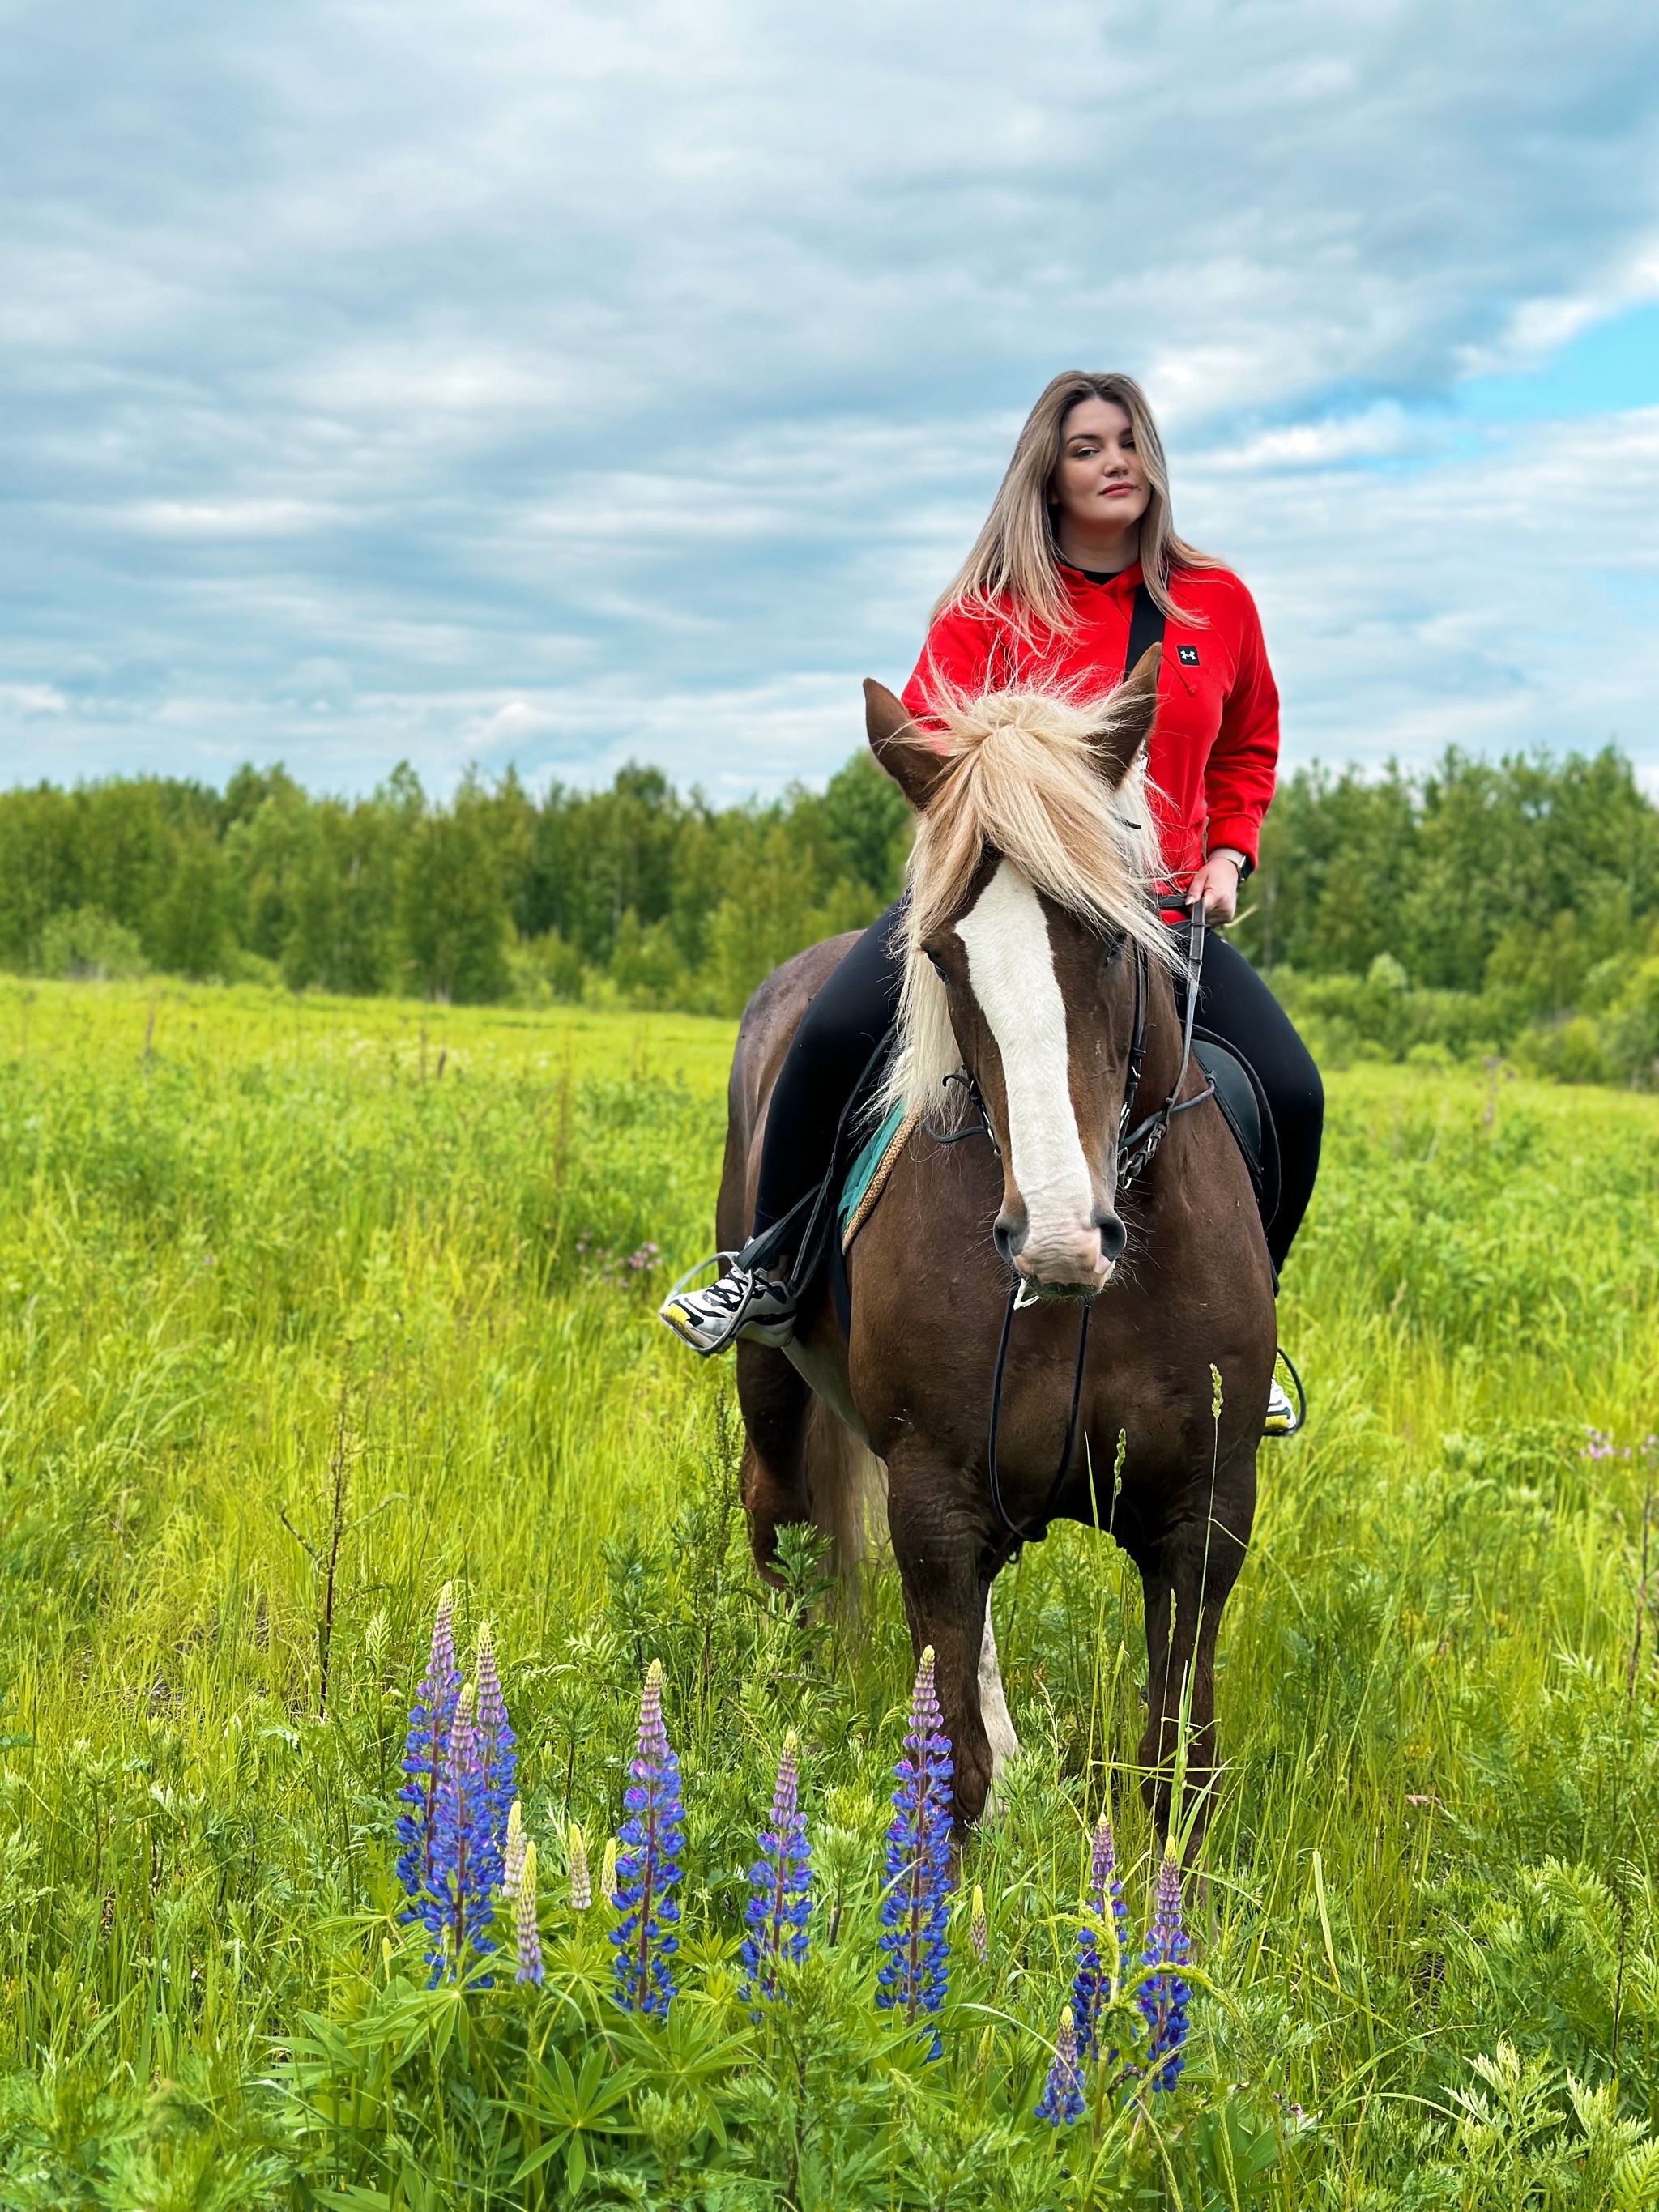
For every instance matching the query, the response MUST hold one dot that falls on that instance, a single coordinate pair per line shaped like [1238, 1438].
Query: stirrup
[1283, 1419]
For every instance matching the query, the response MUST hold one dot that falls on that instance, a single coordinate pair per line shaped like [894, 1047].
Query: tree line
[1480, 906]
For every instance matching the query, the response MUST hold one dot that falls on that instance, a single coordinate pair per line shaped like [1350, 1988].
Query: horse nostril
[1113, 1237]
[1009, 1237]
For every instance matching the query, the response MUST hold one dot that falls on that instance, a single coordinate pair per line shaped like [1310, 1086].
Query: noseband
[1135, 1151]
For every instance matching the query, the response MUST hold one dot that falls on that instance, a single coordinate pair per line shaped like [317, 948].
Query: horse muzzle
[1072, 1263]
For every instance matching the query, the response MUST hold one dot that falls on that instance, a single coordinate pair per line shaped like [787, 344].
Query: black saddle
[1245, 1110]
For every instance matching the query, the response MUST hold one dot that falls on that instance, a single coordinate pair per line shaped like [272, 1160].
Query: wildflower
[1163, 1997]
[1599, 1443]
[1061, 2102]
[430, 1720]
[648, 1864]
[526, 1928]
[608, 1872]
[1091, 1984]
[513, 1864]
[780, 1888]
[463, 1861]
[979, 1934]
[581, 1882]
[497, 1759]
[914, 1902]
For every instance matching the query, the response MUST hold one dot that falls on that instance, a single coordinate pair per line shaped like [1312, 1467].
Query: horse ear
[1126, 717]
[899, 746]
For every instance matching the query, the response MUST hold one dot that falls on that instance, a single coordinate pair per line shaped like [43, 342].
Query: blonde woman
[1077, 571]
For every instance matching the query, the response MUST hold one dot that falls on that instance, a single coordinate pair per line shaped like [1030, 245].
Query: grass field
[278, 1268]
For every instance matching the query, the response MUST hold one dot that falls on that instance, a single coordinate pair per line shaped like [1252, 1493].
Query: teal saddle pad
[861, 1173]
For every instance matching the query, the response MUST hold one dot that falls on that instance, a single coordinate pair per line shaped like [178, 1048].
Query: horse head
[1030, 926]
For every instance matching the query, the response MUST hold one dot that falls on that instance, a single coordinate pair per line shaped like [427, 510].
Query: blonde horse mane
[1026, 775]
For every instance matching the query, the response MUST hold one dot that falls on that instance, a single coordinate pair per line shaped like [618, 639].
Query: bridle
[1135, 1151]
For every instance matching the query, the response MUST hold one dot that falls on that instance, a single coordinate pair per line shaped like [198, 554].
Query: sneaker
[1283, 1418]
[737, 1303]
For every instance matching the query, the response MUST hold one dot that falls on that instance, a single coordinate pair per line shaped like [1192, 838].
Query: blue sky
[564, 384]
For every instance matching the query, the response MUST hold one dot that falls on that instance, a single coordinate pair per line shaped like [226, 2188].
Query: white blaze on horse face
[1011, 968]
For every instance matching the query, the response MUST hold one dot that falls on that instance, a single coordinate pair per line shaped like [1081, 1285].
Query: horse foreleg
[776, 1401]
[1187, 1580]
[946, 1600]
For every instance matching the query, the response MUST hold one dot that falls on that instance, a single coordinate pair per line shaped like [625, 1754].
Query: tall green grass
[269, 1271]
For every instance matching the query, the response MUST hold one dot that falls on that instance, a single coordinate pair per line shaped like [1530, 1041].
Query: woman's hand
[1217, 884]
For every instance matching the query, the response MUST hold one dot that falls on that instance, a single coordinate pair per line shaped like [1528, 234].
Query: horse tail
[846, 1486]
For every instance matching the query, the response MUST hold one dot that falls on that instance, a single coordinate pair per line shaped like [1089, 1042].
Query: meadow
[309, 1307]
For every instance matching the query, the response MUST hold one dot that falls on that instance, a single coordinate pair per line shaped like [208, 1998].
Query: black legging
[848, 1019]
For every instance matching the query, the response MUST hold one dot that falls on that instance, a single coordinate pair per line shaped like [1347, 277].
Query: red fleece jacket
[1215, 742]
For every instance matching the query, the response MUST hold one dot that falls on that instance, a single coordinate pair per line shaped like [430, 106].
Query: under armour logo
[1188, 655]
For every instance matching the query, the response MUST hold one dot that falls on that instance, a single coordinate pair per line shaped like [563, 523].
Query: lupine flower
[513, 1864]
[1163, 1997]
[1094, 1981]
[648, 1864]
[914, 1902]
[465, 1861]
[979, 1934]
[526, 1928]
[1061, 2102]
[608, 1872]
[497, 1759]
[780, 1888]
[581, 1882]
[430, 1722]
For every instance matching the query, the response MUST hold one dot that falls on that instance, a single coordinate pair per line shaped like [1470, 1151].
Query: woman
[1077, 569]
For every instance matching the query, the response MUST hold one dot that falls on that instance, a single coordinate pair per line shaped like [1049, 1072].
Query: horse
[1039, 991]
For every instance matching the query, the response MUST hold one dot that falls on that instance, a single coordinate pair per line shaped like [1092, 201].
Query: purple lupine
[1164, 1996]
[1061, 2102]
[429, 1722]
[497, 1760]
[648, 1863]
[780, 1894]
[916, 1900]
[1095, 1981]
[581, 1882]
[513, 1860]
[527, 1928]
[463, 1854]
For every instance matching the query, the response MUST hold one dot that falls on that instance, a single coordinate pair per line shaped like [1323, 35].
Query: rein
[1134, 1153]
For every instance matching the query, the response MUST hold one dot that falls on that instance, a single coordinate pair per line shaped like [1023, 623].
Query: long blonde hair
[1014, 568]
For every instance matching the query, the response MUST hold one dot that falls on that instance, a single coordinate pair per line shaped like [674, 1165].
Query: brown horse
[1032, 942]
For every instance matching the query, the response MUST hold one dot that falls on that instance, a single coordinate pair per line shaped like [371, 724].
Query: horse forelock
[1023, 780]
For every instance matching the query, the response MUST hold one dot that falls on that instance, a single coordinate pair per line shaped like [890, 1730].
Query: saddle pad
[866, 1178]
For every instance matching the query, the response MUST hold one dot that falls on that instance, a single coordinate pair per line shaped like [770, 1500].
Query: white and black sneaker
[1285, 1414]
[741, 1302]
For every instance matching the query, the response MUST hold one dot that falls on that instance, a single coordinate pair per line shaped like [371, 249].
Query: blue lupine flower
[1095, 1981]
[497, 1761]
[429, 1724]
[1164, 1996]
[648, 1864]
[463, 1853]
[1061, 2102]
[779, 1896]
[915, 1904]
[526, 1927]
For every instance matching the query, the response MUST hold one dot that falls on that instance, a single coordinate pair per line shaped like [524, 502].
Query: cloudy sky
[562, 383]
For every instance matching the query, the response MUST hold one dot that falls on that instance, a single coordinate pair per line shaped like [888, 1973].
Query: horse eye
[937, 966]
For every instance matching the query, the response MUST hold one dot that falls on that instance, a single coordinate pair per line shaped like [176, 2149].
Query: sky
[563, 385]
